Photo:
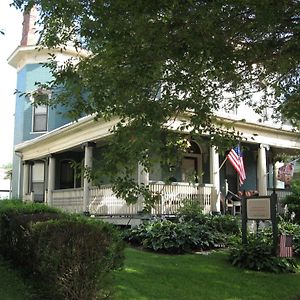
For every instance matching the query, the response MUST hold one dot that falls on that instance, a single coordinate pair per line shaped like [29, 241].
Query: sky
[11, 24]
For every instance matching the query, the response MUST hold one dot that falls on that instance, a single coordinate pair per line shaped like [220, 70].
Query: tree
[154, 61]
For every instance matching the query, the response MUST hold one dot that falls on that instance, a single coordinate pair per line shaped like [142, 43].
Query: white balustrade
[103, 201]
[170, 197]
[70, 200]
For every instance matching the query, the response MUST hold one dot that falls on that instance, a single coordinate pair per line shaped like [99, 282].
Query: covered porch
[46, 175]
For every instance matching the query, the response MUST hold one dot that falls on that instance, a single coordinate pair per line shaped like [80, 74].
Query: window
[191, 165]
[40, 111]
[40, 118]
[37, 181]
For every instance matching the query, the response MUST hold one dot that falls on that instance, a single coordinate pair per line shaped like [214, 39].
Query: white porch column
[215, 179]
[25, 179]
[262, 170]
[142, 179]
[143, 175]
[51, 179]
[88, 163]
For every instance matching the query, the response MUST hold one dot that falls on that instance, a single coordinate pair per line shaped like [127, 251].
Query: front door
[190, 169]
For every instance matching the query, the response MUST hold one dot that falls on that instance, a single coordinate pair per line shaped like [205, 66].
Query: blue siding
[26, 82]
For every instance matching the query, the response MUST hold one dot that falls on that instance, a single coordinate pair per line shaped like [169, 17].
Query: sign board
[259, 208]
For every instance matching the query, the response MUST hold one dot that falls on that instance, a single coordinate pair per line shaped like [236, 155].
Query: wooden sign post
[260, 208]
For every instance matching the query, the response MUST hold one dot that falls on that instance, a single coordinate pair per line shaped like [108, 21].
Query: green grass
[164, 277]
[156, 276]
[11, 285]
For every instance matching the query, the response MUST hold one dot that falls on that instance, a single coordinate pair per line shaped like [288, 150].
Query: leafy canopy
[152, 62]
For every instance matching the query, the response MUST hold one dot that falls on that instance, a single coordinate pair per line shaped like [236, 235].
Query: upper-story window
[40, 111]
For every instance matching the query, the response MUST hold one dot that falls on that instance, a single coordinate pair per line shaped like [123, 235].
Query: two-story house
[47, 145]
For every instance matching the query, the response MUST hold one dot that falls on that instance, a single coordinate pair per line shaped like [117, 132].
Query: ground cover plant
[148, 275]
[190, 231]
[257, 255]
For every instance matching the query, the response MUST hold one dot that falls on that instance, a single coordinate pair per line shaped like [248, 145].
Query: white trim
[24, 55]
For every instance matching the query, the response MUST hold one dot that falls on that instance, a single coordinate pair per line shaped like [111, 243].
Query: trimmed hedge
[64, 256]
[15, 220]
[73, 257]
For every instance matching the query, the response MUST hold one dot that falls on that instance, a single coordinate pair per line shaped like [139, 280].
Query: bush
[257, 255]
[226, 224]
[293, 201]
[15, 220]
[68, 257]
[192, 212]
[172, 237]
[74, 256]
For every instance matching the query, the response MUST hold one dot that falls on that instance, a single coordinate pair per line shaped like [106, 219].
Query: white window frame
[33, 114]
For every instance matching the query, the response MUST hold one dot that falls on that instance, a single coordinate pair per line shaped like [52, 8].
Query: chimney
[29, 36]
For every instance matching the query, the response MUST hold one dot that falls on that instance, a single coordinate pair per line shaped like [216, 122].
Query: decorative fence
[280, 193]
[70, 200]
[103, 201]
[170, 198]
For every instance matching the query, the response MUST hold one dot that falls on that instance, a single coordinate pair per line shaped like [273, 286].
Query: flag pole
[222, 164]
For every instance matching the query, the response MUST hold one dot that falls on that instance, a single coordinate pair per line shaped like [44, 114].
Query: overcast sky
[11, 24]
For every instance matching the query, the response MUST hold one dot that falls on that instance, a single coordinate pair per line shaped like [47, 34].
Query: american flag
[236, 159]
[286, 246]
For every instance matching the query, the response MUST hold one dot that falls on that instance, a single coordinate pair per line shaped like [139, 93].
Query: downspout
[20, 155]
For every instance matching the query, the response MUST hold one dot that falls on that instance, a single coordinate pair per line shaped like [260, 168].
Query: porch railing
[281, 194]
[70, 200]
[170, 198]
[103, 201]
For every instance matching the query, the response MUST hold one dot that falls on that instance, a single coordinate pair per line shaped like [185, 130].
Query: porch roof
[67, 137]
[87, 129]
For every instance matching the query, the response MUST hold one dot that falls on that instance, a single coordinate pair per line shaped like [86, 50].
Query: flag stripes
[236, 159]
[285, 246]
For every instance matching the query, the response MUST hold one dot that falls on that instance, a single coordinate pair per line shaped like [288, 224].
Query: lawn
[156, 276]
[11, 285]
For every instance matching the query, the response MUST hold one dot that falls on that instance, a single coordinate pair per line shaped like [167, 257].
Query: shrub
[15, 220]
[192, 211]
[226, 224]
[257, 255]
[73, 257]
[293, 201]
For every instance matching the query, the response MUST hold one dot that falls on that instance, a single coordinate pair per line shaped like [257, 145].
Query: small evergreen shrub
[257, 255]
[73, 258]
[66, 256]
[15, 220]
